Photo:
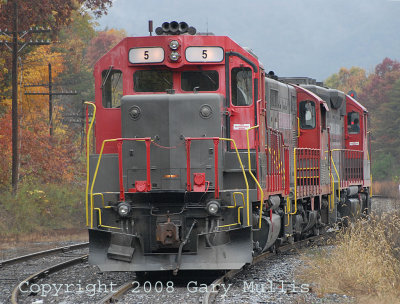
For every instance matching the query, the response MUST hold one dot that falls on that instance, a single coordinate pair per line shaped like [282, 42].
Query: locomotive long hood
[168, 119]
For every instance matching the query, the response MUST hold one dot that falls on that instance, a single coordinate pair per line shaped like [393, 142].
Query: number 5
[204, 54]
[146, 55]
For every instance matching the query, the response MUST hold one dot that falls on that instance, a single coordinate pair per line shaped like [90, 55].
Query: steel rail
[42, 254]
[211, 294]
[114, 296]
[43, 273]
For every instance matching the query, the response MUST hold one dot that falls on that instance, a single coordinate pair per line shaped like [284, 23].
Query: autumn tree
[4, 88]
[77, 75]
[380, 83]
[42, 158]
[52, 13]
[44, 13]
[381, 96]
[346, 80]
[102, 43]
[380, 93]
[386, 129]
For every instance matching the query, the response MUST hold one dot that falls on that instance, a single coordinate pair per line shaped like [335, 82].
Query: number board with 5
[204, 54]
[146, 55]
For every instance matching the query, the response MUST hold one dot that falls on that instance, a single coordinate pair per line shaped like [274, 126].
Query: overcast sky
[313, 38]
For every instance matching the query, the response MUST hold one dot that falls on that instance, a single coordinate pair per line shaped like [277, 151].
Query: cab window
[200, 81]
[242, 88]
[111, 88]
[307, 114]
[152, 81]
[353, 123]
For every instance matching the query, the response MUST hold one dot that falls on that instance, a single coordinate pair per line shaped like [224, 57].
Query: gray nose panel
[167, 119]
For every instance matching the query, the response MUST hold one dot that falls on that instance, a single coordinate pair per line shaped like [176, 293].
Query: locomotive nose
[169, 120]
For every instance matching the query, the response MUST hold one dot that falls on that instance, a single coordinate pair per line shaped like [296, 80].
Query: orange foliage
[41, 157]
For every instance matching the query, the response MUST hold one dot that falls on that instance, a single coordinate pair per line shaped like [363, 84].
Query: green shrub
[41, 207]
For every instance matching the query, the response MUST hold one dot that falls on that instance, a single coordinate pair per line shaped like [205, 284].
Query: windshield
[200, 81]
[152, 81]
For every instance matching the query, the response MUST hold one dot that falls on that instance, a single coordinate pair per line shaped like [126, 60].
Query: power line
[50, 93]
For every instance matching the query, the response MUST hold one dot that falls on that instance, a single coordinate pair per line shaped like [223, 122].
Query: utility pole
[50, 102]
[14, 105]
[14, 49]
[50, 93]
[78, 119]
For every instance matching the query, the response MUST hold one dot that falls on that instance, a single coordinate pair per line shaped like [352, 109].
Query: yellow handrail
[298, 127]
[244, 175]
[94, 178]
[102, 199]
[252, 175]
[95, 174]
[295, 182]
[287, 210]
[241, 207]
[337, 174]
[370, 192]
[100, 224]
[113, 140]
[331, 197]
[370, 175]
[87, 159]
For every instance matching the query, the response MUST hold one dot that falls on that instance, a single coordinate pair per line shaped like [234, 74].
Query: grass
[39, 209]
[364, 263]
[66, 235]
[386, 188]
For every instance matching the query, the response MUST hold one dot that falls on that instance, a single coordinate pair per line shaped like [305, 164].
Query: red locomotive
[202, 160]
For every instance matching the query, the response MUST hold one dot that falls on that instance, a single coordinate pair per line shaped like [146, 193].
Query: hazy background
[312, 38]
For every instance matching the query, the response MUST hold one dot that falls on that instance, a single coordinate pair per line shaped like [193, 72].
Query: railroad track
[210, 295]
[381, 196]
[115, 296]
[42, 254]
[43, 273]
[25, 270]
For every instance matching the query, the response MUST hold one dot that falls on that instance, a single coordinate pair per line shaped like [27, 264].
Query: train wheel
[260, 236]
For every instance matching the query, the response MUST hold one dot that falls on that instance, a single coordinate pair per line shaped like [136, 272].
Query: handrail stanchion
[148, 168]
[252, 175]
[187, 143]
[89, 130]
[295, 182]
[216, 142]
[120, 172]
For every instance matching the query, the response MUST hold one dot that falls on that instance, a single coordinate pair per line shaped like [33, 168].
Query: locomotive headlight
[212, 207]
[124, 209]
[174, 56]
[174, 45]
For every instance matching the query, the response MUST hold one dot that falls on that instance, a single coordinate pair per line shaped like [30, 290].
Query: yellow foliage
[34, 70]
